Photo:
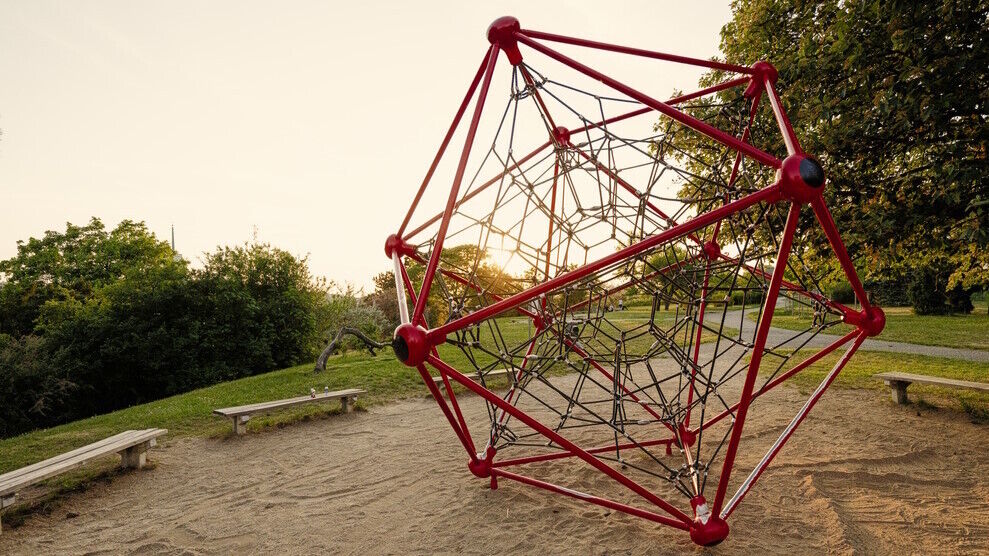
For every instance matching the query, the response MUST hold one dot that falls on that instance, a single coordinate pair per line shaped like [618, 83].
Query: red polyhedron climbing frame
[623, 274]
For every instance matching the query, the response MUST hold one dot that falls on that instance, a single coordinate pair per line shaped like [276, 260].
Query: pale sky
[312, 121]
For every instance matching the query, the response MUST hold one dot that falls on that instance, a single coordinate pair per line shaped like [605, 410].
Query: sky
[305, 124]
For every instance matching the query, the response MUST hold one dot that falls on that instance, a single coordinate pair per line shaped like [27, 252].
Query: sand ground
[862, 476]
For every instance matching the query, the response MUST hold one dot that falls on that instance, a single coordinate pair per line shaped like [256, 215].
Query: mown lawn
[957, 331]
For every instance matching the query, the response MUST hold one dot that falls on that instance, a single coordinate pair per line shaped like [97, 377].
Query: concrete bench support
[898, 383]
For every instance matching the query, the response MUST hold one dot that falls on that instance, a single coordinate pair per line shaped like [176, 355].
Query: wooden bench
[898, 383]
[242, 413]
[131, 445]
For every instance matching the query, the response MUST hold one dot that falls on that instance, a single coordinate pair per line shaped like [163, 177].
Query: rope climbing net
[604, 274]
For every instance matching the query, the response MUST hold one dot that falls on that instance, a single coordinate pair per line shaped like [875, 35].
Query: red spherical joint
[501, 32]
[410, 344]
[712, 250]
[801, 178]
[395, 244]
[706, 530]
[761, 71]
[481, 466]
[562, 136]
[872, 321]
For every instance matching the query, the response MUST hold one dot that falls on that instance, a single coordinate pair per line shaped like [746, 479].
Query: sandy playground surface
[861, 476]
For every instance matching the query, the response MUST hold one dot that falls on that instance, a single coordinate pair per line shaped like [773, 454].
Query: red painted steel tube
[780, 379]
[697, 341]
[834, 238]
[689, 121]
[673, 101]
[788, 432]
[599, 450]
[434, 260]
[617, 506]
[690, 226]
[539, 99]
[760, 344]
[480, 188]
[443, 145]
[446, 410]
[458, 413]
[557, 438]
[637, 52]
[789, 137]
[552, 213]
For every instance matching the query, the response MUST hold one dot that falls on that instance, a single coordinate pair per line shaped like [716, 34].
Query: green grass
[860, 370]
[957, 331]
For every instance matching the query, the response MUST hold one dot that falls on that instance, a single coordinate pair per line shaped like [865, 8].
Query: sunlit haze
[309, 124]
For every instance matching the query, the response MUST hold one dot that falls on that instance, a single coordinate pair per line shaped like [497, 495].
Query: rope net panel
[604, 274]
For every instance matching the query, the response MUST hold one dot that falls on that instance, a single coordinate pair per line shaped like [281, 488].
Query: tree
[892, 98]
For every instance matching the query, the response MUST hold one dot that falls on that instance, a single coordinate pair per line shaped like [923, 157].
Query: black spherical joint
[811, 172]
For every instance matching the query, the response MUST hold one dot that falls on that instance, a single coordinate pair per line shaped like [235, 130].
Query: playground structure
[590, 191]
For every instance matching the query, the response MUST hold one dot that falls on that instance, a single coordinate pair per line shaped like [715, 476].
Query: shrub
[843, 293]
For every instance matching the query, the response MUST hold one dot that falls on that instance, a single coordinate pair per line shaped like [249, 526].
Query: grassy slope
[957, 331]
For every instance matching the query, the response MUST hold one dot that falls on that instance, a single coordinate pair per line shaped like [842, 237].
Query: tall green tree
[893, 98]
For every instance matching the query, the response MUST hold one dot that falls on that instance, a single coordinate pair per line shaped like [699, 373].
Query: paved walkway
[782, 338]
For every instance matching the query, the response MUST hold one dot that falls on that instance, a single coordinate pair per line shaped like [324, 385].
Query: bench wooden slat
[15, 480]
[277, 404]
[933, 381]
[61, 457]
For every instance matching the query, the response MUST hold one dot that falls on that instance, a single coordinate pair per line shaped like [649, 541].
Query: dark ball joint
[801, 178]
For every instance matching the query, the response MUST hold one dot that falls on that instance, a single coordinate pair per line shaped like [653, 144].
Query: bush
[116, 319]
[843, 293]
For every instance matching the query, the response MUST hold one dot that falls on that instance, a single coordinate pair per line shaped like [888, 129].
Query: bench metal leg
[240, 424]
[899, 390]
[135, 457]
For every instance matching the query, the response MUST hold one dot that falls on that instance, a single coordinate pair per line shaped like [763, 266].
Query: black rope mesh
[618, 376]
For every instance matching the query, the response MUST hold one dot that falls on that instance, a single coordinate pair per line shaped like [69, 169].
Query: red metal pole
[599, 450]
[690, 226]
[446, 411]
[443, 145]
[834, 238]
[789, 137]
[673, 101]
[637, 52]
[480, 188]
[590, 498]
[780, 379]
[434, 260]
[689, 121]
[788, 432]
[760, 345]
[557, 438]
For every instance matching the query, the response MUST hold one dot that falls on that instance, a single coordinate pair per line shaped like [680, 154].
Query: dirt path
[861, 476]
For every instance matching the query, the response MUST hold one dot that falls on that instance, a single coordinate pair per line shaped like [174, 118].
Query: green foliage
[843, 293]
[891, 97]
[97, 320]
[931, 294]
